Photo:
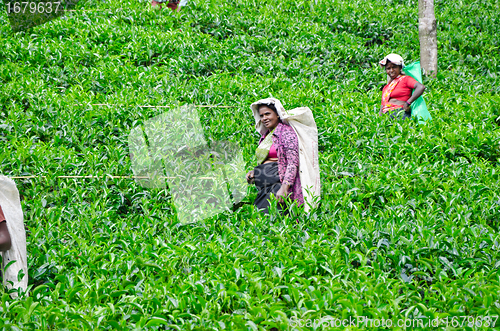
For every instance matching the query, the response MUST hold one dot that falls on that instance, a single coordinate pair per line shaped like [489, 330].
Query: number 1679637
[33, 7]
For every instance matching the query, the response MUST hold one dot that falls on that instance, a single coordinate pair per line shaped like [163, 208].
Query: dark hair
[397, 65]
[271, 106]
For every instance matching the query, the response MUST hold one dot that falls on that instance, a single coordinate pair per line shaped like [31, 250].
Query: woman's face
[392, 70]
[268, 117]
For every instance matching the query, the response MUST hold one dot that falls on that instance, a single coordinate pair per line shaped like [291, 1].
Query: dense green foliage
[408, 224]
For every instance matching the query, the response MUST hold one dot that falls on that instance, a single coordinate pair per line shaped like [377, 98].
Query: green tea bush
[408, 222]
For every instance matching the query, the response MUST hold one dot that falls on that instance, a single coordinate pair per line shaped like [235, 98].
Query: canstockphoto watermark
[25, 14]
[405, 323]
[203, 178]
[330, 322]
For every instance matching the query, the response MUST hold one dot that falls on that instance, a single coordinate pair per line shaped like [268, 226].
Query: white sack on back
[16, 275]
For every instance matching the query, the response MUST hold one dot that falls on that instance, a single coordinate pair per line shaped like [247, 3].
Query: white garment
[394, 58]
[302, 121]
[11, 207]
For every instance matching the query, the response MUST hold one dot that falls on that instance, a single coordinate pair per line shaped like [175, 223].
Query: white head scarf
[302, 121]
[259, 126]
[394, 58]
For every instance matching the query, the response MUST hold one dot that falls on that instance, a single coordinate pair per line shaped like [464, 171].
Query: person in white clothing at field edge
[12, 237]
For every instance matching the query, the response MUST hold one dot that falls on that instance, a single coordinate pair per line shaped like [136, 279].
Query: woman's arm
[419, 90]
[290, 144]
[5, 240]
[291, 148]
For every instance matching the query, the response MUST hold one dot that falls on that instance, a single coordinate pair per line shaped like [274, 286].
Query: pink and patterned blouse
[287, 146]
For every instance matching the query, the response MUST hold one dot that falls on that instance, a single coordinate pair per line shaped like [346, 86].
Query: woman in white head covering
[287, 155]
[397, 94]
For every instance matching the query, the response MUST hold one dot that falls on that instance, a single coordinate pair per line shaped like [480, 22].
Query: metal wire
[99, 177]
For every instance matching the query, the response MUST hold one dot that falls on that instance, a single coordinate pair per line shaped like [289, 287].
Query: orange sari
[386, 96]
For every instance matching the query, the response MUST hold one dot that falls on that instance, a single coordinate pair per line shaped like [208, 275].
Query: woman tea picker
[397, 94]
[287, 155]
[175, 5]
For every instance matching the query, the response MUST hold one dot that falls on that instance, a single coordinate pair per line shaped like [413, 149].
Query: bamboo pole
[148, 106]
[100, 177]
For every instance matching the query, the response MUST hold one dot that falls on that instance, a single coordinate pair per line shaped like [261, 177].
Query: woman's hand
[282, 193]
[406, 107]
[250, 177]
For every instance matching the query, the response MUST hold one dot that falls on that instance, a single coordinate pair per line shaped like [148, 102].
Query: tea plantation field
[408, 224]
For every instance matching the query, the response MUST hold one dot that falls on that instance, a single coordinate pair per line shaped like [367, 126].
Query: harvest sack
[16, 274]
[302, 121]
[418, 107]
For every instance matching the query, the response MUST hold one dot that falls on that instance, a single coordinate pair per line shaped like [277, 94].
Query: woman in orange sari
[397, 94]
